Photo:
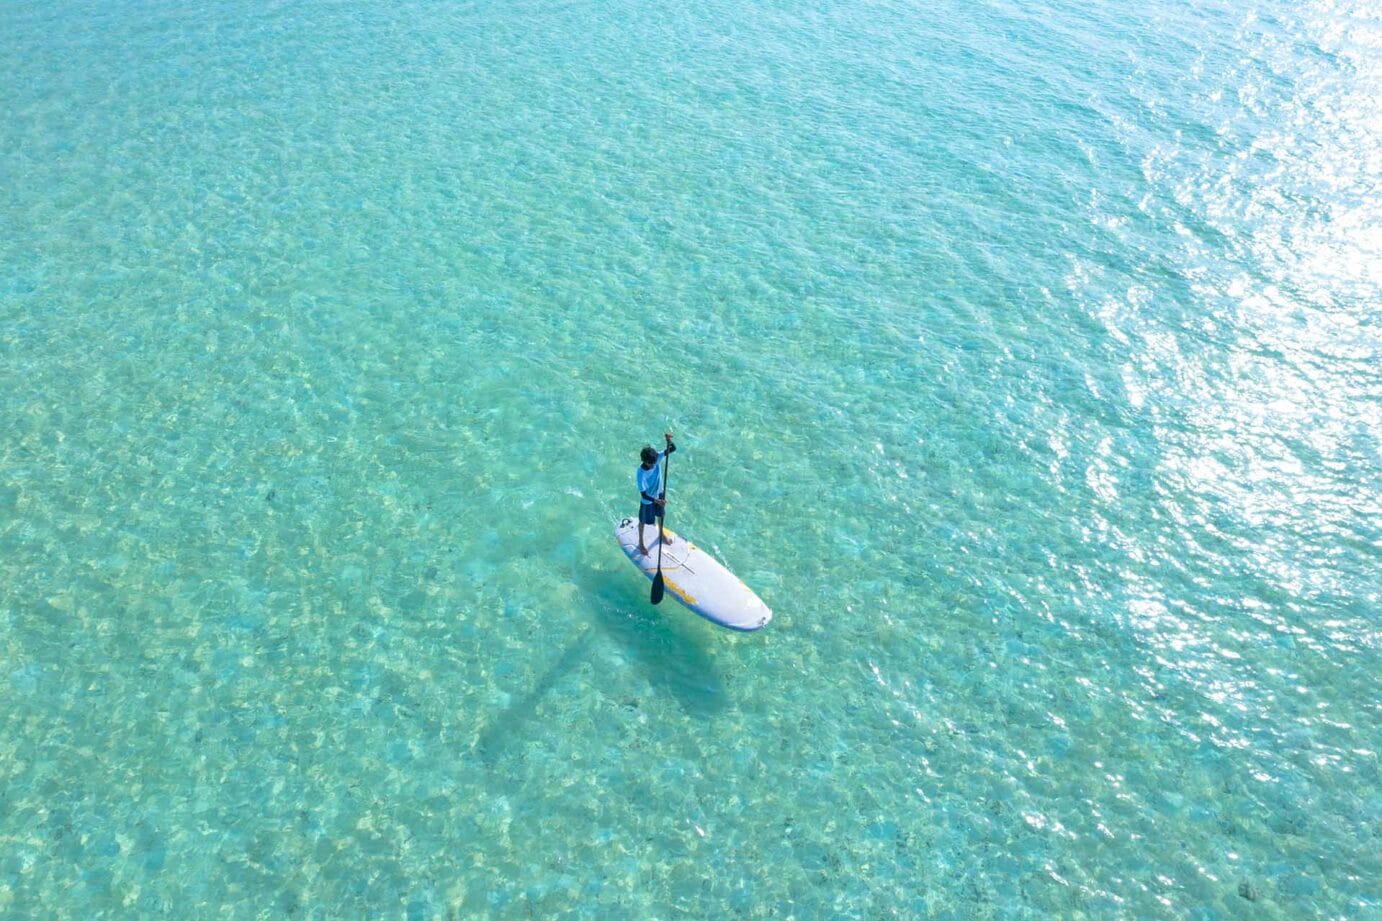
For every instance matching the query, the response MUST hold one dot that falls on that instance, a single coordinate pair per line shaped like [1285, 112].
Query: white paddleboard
[695, 578]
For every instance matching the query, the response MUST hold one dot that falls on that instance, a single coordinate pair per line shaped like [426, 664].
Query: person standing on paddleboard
[652, 502]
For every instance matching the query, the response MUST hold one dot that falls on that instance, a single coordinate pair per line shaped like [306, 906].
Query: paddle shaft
[658, 582]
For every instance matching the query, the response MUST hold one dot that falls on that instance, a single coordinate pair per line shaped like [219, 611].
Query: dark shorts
[648, 513]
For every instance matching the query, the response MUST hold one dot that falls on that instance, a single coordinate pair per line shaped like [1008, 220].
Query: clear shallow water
[1023, 358]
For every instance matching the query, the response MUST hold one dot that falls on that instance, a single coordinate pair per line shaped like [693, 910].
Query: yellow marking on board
[677, 590]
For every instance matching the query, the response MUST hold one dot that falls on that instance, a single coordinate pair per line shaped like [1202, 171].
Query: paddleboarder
[652, 497]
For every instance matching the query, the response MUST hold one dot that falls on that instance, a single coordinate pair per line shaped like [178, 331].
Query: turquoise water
[1024, 358]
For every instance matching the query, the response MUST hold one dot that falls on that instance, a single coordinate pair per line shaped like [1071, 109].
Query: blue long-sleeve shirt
[650, 480]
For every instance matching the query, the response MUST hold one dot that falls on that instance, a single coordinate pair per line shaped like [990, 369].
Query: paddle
[658, 586]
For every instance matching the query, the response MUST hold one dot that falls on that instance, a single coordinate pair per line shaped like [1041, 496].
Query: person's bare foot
[642, 550]
[668, 539]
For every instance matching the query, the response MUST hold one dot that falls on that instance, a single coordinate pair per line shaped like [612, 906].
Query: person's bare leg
[642, 548]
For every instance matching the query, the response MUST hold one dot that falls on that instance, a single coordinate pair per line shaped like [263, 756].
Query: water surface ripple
[1023, 357]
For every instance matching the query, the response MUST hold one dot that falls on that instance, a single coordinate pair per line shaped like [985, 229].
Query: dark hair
[649, 454]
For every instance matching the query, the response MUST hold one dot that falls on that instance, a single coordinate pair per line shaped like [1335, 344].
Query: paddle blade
[658, 588]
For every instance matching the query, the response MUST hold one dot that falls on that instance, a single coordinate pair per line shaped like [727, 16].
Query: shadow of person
[667, 642]
[663, 642]
[508, 726]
